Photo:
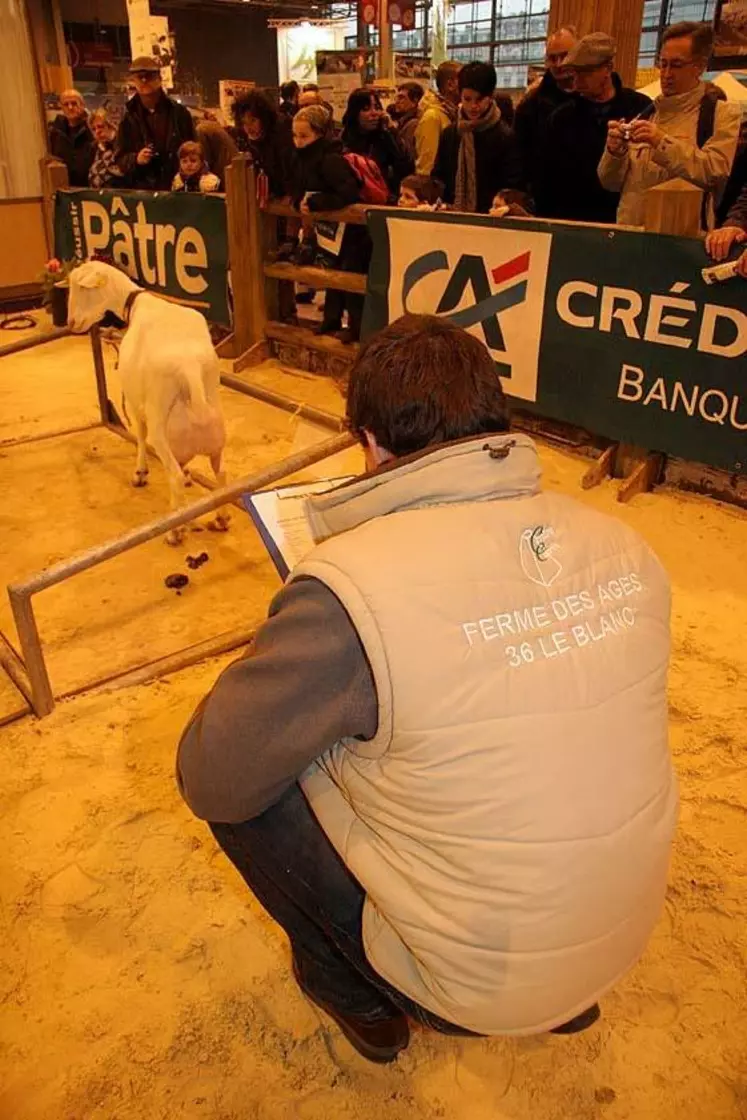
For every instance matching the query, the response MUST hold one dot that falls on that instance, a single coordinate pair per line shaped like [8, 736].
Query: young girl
[511, 204]
[420, 192]
[194, 174]
[321, 179]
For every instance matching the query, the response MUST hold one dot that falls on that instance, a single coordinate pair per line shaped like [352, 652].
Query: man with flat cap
[152, 130]
[568, 185]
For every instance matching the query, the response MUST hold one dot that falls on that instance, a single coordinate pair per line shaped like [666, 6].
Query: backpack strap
[704, 132]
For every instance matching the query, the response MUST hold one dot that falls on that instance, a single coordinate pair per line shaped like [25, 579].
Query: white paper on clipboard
[280, 517]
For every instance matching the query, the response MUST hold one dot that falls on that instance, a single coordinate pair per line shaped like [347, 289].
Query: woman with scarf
[477, 156]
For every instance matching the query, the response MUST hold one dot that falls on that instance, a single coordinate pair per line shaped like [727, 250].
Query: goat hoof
[140, 478]
[219, 524]
[187, 478]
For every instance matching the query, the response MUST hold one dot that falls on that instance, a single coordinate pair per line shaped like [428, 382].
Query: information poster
[340, 72]
[730, 35]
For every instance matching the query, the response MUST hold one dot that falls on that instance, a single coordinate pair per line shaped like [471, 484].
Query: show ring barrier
[594, 330]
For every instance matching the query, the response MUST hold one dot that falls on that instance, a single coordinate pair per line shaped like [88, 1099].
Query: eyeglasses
[144, 75]
[557, 59]
[674, 63]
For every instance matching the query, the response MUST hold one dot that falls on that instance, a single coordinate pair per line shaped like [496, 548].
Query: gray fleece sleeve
[305, 684]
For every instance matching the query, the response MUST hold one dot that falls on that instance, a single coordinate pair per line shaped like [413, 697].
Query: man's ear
[374, 451]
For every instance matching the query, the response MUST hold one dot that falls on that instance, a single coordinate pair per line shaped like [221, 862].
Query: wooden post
[245, 253]
[621, 19]
[54, 178]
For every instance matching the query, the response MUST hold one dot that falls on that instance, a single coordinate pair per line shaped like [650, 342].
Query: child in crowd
[511, 204]
[420, 192]
[194, 174]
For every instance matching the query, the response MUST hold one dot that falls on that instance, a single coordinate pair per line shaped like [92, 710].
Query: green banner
[172, 244]
[616, 332]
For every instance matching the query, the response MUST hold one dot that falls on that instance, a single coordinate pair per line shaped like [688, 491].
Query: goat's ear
[91, 280]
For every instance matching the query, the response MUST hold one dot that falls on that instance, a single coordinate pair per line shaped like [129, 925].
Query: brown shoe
[379, 1040]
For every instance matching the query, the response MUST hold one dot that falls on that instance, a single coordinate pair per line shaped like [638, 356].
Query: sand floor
[137, 977]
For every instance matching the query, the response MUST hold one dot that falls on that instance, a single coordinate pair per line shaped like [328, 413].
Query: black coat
[273, 154]
[530, 125]
[384, 147]
[321, 171]
[497, 164]
[568, 185]
[76, 148]
[136, 132]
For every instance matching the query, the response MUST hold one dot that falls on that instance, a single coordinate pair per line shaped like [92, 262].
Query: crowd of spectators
[579, 146]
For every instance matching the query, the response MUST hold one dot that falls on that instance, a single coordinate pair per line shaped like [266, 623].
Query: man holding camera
[692, 133]
[152, 131]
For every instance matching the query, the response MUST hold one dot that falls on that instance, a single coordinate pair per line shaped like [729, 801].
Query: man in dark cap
[568, 185]
[152, 130]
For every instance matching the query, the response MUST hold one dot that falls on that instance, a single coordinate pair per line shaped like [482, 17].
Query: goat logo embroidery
[538, 555]
[486, 279]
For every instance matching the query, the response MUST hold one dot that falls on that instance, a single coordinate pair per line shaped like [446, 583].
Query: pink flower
[53, 265]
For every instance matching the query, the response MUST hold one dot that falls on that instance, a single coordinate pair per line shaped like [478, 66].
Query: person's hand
[719, 241]
[145, 155]
[386, 121]
[742, 266]
[646, 132]
[617, 141]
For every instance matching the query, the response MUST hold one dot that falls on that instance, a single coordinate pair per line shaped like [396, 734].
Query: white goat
[170, 376]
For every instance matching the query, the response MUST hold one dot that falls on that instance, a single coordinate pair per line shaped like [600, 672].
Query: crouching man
[444, 769]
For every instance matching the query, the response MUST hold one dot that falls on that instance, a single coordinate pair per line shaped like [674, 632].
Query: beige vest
[511, 820]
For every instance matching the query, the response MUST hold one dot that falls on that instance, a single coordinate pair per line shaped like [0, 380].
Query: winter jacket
[383, 146]
[75, 146]
[530, 125]
[435, 114]
[677, 156]
[497, 163]
[138, 129]
[737, 215]
[321, 172]
[104, 172]
[567, 183]
[511, 819]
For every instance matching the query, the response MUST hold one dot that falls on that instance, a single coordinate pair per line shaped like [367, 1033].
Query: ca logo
[470, 272]
[537, 555]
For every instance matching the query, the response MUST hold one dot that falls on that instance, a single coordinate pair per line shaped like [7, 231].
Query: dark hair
[445, 73]
[359, 100]
[427, 189]
[413, 90]
[700, 33]
[289, 90]
[516, 201]
[423, 381]
[258, 105]
[479, 76]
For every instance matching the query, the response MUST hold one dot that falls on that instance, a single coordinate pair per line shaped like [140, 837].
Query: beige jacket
[435, 117]
[677, 157]
[511, 820]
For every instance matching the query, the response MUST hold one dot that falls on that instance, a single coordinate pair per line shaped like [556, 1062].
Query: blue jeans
[294, 872]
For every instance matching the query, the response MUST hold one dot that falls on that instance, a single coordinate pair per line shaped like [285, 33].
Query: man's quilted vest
[511, 820]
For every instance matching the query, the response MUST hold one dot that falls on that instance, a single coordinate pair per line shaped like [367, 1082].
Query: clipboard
[279, 517]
